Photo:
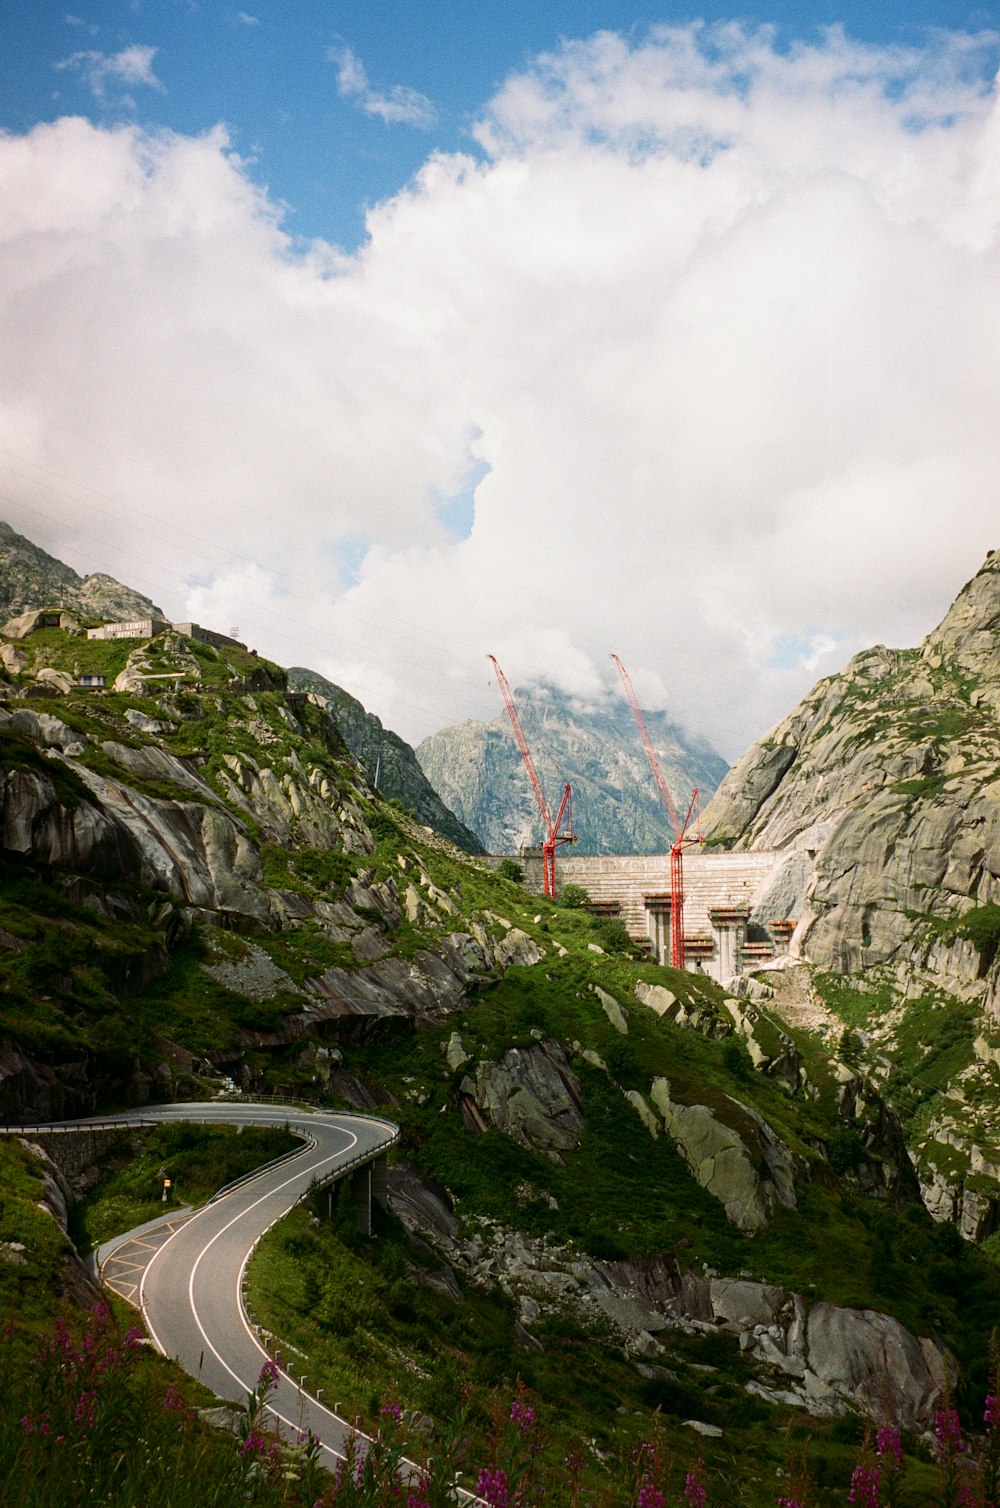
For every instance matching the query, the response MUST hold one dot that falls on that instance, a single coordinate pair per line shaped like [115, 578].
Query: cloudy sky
[396, 335]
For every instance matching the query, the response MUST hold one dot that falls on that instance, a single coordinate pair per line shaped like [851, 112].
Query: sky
[399, 335]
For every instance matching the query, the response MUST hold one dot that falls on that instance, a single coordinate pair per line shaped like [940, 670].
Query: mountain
[388, 762]
[30, 578]
[644, 1200]
[885, 780]
[477, 768]
[883, 789]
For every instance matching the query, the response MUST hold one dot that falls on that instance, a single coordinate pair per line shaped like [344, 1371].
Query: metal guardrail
[150, 1123]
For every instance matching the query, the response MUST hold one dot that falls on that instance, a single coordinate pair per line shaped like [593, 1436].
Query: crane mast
[681, 840]
[555, 835]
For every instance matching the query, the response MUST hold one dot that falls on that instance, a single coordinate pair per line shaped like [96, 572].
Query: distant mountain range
[476, 768]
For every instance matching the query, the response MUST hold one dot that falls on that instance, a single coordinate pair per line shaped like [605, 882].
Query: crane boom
[522, 743]
[555, 834]
[681, 840]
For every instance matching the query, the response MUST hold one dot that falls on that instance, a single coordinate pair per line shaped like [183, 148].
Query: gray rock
[533, 1095]
[748, 1183]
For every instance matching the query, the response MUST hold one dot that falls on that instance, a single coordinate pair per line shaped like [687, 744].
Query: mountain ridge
[477, 768]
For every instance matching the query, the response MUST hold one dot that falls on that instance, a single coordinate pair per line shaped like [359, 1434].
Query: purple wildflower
[254, 1444]
[494, 1487]
[991, 1412]
[391, 1411]
[864, 1487]
[948, 1432]
[649, 1496]
[523, 1415]
[789, 1503]
[889, 1442]
[86, 1410]
[694, 1490]
[268, 1373]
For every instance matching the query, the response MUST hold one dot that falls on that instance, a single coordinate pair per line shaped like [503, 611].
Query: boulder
[533, 1095]
[750, 1172]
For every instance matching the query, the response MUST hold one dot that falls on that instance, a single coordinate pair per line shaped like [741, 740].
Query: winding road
[186, 1272]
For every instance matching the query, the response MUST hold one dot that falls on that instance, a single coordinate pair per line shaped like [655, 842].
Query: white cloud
[713, 325]
[245, 19]
[133, 65]
[401, 106]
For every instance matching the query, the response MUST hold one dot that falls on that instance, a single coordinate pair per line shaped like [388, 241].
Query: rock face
[477, 768]
[532, 1094]
[812, 1355]
[749, 1171]
[882, 785]
[30, 578]
[383, 753]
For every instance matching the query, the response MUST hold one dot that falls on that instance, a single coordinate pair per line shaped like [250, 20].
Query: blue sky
[402, 335]
[270, 73]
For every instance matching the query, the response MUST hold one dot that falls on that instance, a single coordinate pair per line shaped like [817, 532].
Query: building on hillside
[148, 628]
[207, 636]
[135, 628]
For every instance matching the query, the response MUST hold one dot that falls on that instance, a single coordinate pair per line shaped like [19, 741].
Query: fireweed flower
[789, 1503]
[494, 1487]
[254, 1444]
[649, 1496]
[86, 1410]
[948, 1433]
[991, 1412]
[523, 1415]
[694, 1490]
[864, 1488]
[889, 1443]
[391, 1411]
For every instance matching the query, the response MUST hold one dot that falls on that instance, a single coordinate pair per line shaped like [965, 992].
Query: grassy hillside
[114, 985]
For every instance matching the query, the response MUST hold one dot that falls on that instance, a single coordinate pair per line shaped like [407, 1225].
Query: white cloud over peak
[400, 106]
[696, 362]
[133, 65]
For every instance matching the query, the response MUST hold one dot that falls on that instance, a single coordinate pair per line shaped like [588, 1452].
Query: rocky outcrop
[808, 1354]
[750, 1171]
[387, 761]
[30, 578]
[531, 1094]
[882, 788]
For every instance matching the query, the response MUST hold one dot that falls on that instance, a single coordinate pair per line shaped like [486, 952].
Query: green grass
[198, 1160]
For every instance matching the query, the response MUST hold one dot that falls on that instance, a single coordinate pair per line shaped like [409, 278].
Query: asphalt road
[189, 1276]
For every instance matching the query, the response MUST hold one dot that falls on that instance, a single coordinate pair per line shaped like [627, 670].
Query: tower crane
[681, 838]
[555, 834]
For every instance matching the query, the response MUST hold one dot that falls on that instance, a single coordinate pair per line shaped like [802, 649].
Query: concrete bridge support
[370, 1183]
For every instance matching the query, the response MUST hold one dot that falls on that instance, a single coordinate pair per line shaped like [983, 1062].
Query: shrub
[510, 869]
[573, 896]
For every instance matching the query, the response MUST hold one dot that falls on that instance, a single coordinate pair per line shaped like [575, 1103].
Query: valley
[754, 1215]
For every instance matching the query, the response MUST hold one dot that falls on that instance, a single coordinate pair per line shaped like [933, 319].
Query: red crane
[681, 839]
[555, 834]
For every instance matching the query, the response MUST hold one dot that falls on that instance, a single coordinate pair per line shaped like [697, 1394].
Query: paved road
[187, 1273]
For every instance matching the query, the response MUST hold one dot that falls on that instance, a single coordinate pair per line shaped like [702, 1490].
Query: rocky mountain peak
[477, 768]
[969, 634]
[31, 578]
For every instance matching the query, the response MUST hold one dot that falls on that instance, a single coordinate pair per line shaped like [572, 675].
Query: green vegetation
[95, 977]
[198, 1160]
